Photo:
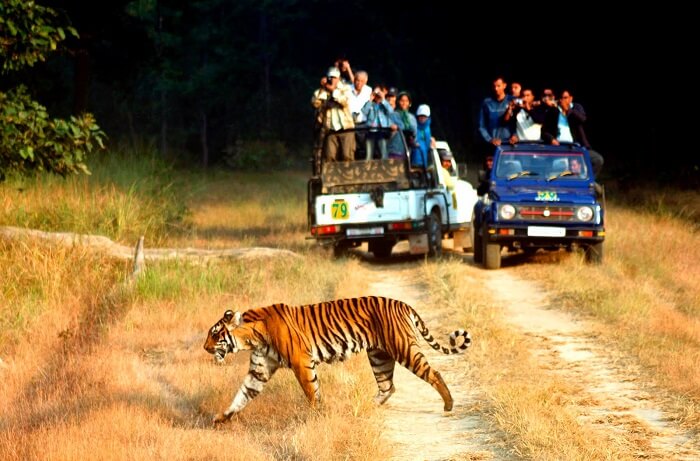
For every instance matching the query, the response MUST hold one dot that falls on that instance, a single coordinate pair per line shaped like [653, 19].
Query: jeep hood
[544, 192]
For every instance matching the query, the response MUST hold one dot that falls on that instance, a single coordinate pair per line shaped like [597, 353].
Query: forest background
[220, 82]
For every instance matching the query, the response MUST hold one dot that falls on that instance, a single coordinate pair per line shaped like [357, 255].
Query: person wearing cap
[391, 96]
[331, 101]
[446, 165]
[419, 155]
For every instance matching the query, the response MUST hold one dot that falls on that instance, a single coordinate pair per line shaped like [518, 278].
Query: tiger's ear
[237, 318]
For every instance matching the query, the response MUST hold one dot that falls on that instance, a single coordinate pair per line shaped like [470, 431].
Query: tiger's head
[231, 334]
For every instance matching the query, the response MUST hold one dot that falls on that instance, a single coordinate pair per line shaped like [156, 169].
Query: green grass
[126, 196]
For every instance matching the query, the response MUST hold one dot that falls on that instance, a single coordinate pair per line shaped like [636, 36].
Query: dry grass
[647, 293]
[230, 210]
[143, 387]
[534, 411]
[92, 368]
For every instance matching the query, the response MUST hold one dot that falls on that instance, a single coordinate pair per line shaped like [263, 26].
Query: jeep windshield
[541, 165]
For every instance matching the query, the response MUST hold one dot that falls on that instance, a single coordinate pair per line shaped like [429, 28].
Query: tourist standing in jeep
[494, 129]
[332, 99]
[576, 118]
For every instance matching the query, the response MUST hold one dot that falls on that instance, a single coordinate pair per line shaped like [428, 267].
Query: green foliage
[28, 32]
[30, 140]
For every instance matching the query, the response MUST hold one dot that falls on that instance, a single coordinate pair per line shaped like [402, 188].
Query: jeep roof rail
[529, 145]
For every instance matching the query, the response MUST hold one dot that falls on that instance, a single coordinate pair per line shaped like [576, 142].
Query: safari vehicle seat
[559, 165]
[512, 167]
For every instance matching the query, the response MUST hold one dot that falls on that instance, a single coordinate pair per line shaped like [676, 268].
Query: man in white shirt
[359, 95]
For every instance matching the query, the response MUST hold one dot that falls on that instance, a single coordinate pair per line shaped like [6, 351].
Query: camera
[518, 101]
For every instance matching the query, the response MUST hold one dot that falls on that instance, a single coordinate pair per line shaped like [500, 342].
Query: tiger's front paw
[221, 418]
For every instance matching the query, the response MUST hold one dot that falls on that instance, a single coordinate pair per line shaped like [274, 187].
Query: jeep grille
[547, 213]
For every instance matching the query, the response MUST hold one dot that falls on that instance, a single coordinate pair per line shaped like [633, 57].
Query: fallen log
[139, 256]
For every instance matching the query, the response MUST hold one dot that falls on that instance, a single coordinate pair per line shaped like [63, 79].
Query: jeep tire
[594, 253]
[434, 235]
[492, 255]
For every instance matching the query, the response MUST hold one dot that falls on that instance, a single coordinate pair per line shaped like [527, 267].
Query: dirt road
[420, 430]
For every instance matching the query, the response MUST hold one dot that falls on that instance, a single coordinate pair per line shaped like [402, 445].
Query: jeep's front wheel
[594, 253]
[492, 256]
[434, 235]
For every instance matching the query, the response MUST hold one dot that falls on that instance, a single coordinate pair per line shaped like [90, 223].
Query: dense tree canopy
[29, 138]
[211, 81]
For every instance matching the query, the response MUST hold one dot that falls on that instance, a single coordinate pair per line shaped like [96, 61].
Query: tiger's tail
[455, 349]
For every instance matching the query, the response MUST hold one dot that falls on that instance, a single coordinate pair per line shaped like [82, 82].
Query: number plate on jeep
[340, 209]
[365, 231]
[541, 231]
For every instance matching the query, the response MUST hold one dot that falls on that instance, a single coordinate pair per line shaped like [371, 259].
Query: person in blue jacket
[419, 155]
[494, 129]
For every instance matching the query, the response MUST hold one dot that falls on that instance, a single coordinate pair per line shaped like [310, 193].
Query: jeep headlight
[507, 211]
[585, 213]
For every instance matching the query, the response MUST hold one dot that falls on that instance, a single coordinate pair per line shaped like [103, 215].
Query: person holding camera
[525, 117]
[331, 102]
[360, 93]
[550, 123]
[377, 113]
[564, 122]
[516, 91]
[576, 119]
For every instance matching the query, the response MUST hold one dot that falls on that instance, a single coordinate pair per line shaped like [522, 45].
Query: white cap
[333, 72]
[423, 109]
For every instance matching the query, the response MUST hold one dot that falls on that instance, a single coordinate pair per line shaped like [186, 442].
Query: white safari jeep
[383, 201]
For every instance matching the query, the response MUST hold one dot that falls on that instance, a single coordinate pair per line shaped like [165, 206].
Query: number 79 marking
[339, 210]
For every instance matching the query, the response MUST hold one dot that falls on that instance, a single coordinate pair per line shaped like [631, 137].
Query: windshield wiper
[522, 173]
[559, 175]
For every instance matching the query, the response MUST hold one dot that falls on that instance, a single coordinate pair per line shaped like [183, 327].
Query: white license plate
[539, 231]
[365, 231]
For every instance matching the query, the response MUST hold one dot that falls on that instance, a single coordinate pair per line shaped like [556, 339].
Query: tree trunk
[163, 125]
[203, 138]
[267, 93]
[81, 78]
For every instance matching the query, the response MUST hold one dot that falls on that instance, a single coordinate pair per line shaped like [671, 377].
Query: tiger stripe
[301, 337]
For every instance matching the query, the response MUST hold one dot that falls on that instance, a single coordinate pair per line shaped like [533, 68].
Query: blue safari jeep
[539, 196]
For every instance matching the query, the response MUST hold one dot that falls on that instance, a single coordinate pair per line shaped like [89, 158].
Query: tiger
[301, 337]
